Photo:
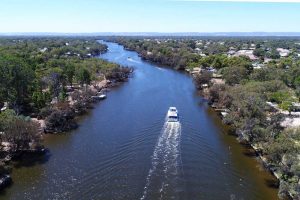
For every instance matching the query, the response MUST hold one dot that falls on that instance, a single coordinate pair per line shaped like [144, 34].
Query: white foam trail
[134, 61]
[161, 179]
[161, 69]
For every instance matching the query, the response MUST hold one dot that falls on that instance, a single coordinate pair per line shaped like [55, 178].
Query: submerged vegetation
[254, 81]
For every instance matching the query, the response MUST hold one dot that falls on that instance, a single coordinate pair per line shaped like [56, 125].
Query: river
[124, 149]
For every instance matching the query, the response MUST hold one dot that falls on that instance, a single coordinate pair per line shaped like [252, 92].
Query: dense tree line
[184, 53]
[246, 90]
[50, 79]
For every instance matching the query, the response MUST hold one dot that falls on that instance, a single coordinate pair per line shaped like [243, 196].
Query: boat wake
[132, 60]
[163, 180]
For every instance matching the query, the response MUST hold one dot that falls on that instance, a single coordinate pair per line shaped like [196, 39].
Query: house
[283, 52]
[296, 107]
[231, 52]
[246, 52]
[199, 43]
[252, 47]
[43, 50]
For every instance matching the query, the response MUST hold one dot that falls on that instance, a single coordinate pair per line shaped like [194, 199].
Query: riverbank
[62, 118]
[275, 154]
[243, 89]
[66, 79]
[120, 154]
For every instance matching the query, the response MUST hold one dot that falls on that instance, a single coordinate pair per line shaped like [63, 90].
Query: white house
[283, 52]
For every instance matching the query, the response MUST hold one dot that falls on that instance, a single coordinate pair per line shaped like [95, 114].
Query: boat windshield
[173, 117]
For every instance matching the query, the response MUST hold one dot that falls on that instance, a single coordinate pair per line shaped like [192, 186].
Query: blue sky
[148, 16]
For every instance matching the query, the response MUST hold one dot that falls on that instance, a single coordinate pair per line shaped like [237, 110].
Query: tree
[40, 99]
[19, 131]
[273, 54]
[220, 61]
[203, 78]
[69, 71]
[259, 52]
[60, 121]
[15, 80]
[6, 117]
[55, 83]
[234, 75]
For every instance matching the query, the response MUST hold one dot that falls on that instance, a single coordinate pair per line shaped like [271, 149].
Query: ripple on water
[109, 177]
[164, 180]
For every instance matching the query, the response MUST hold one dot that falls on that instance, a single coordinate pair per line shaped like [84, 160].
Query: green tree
[15, 80]
[234, 75]
[83, 76]
[69, 71]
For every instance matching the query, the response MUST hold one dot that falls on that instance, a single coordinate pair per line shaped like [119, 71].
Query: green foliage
[280, 96]
[234, 75]
[6, 118]
[19, 131]
[31, 66]
[259, 52]
[69, 72]
[62, 94]
[83, 76]
[40, 99]
[273, 54]
[203, 78]
[15, 79]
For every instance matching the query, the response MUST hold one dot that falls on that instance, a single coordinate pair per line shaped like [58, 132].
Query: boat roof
[173, 108]
[172, 114]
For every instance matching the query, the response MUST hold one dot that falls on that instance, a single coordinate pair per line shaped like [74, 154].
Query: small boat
[173, 114]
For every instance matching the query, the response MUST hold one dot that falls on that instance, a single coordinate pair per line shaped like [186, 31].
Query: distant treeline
[188, 52]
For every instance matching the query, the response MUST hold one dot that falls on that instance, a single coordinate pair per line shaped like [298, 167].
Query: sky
[88, 16]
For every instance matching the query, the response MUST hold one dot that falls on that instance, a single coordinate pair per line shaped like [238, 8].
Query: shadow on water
[26, 160]
[272, 183]
[31, 159]
[4, 191]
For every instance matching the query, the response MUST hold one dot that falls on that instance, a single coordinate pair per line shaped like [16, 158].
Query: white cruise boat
[173, 114]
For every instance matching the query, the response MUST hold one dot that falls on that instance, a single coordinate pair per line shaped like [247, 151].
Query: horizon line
[152, 34]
